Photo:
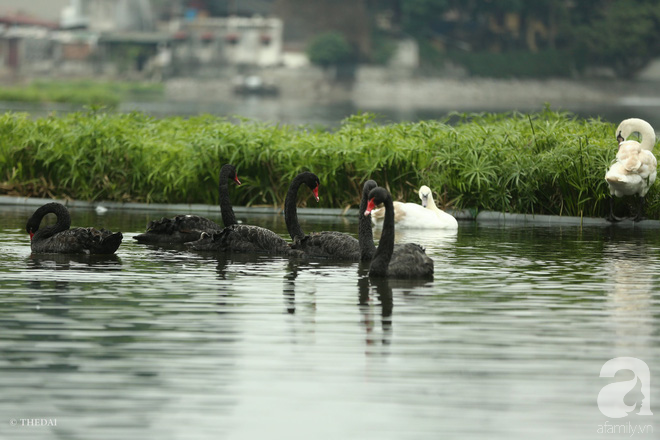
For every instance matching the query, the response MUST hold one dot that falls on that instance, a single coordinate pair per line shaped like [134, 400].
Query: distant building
[122, 38]
[108, 15]
[255, 41]
[25, 41]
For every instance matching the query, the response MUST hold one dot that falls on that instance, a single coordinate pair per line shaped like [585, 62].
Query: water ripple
[506, 342]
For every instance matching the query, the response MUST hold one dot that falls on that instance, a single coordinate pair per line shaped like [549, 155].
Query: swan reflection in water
[432, 240]
[383, 292]
[95, 262]
[317, 268]
[230, 267]
[630, 298]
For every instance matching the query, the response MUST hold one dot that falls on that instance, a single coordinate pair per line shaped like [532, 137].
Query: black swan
[240, 238]
[365, 231]
[410, 261]
[184, 228]
[365, 226]
[328, 244]
[59, 239]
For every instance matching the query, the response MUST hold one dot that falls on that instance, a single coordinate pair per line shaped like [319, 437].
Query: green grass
[87, 92]
[545, 163]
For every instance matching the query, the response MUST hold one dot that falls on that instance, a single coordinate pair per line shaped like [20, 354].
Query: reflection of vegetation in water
[544, 163]
[82, 92]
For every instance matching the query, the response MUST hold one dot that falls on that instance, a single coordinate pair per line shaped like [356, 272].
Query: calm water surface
[281, 111]
[506, 343]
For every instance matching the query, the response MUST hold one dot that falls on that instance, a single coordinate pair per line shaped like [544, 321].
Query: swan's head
[312, 181]
[230, 171]
[635, 125]
[32, 227]
[425, 195]
[204, 243]
[368, 186]
[376, 197]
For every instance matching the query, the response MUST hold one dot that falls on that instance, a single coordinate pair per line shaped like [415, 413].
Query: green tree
[329, 49]
[623, 35]
[420, 17]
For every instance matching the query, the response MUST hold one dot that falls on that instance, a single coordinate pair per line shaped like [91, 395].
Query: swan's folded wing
[179, 229]
[253, 239]
[330, 244]
[409, 260]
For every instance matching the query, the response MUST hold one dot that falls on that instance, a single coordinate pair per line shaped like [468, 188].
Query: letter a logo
[610, 398]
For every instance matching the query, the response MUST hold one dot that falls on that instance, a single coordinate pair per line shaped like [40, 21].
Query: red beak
[316, 192]
[31, 235]
[370, 207]
[238, 182]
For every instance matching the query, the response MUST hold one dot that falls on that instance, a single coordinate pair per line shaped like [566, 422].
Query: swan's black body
[178, 229]
[62, 240]
[239, 238]
[185, 228]
[329, 244]
[243, 239]
[410, 260]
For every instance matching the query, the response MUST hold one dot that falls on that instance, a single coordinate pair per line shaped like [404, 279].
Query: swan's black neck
[63, 221]
[226, 210]
[290, 209]
[365, 232]
[386, 245]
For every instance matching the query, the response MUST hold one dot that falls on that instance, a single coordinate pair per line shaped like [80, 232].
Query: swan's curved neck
[648, 136]
[386, 245]
[365, 233]
[226, 210]
[644, 129]
[431, 203]
[62, 224]
[291, 211]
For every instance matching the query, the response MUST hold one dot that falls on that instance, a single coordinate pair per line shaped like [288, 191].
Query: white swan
[635, 168]
[414, 216]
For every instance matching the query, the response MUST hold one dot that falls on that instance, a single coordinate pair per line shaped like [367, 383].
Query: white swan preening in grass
[414, 216]
[635, 168]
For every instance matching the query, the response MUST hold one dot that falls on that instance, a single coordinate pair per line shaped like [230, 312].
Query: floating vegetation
[544, 163]
[88, 92]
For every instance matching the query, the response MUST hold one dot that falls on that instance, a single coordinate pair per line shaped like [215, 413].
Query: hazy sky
[46, 9]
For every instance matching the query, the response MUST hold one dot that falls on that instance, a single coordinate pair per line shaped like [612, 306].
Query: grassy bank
[545, 163]
[88, 92]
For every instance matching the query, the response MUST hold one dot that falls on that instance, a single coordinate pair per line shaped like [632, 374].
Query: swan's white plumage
[635, 168]
[414, 216]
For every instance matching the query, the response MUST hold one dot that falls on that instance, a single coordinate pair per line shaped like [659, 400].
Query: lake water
[282, 111]
[506, 343]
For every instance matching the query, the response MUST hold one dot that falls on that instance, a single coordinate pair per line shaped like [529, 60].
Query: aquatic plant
[546, 163]
[88, 92]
